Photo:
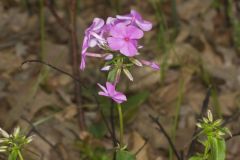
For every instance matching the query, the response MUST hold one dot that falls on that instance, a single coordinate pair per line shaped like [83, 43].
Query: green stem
[120, 124]
[20, 155]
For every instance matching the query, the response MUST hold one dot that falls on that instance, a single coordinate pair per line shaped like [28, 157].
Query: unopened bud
[128, 74]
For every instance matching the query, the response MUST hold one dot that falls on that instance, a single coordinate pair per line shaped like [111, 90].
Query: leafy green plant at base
[211, 136]
[125, 155]
[91, 152]
[13, 144]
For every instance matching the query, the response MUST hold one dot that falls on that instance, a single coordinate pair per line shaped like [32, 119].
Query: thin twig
[34, 129]
[140, 149]
[83, 86]
[59, 20]
[203, 111]
[51, 66]
[75, 61]
[161, 129]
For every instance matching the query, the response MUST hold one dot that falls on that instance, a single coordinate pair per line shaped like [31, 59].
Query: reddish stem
[75, 61]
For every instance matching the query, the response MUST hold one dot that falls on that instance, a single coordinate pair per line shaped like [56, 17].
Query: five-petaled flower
[118, 39]
[110, 91]
[134, 18]
[124, 38]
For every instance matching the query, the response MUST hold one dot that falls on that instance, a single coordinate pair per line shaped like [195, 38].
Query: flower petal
[102, 87]
[110, 88]
[115, 43]
[136, 15]
[119, 30]
[151, 64]
[83, 64]
[106, 68]
[144, 25]
[134, 33]
[129, 49]
[103, 94]
[98, 23]
[126, 17]
[108, 57]
[119, 97]
[85, 44]
[92, 42]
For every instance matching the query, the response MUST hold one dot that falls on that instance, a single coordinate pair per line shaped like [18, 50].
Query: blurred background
[196, 43]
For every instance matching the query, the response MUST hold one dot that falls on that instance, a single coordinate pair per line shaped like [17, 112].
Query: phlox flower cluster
[118, 39]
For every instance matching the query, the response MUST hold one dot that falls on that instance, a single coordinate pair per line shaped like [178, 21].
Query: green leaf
[112, 75]
[13, 155]
[221, 148]
[125, 155]
[133, 103]
[218, 148]
[195, 158]
[98, 129]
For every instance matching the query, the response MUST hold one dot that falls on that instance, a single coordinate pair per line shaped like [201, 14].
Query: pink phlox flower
[91, 39]
[150, 64]
[92, 33]
[110, 91]
[124, 38]
[135, 18]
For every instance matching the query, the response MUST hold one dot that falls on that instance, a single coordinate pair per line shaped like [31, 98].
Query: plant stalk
[75, 61]
[120, 124]
[20, 155]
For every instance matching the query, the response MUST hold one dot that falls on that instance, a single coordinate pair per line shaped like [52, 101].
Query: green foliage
[131, 107]
[91, 152]
[218, 148]
[98, 130]
[112, 75]
[13, 144]
[212, 133]
[125, 155]
[196, 158]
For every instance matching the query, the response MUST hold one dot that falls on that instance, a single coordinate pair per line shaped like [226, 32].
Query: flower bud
[128, 74]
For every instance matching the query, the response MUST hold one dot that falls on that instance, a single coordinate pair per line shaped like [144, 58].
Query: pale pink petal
[151, 64]
[109, 57]
[110, 20]
[110, 88]
[127, 17]
[144, 25]
[90, 54]
[128, 50]
[118, 31]
[103, 88]
[155, 66]
[105, 68]
[83, 64]
[85, 44]
[92, 42]
[135, 14]
[98, 24]
[117, 100]
[103, 94]
[115, 43]
[134, 33]
[119, 97]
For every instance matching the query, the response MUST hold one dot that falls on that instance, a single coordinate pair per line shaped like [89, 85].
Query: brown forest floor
[202, 53]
